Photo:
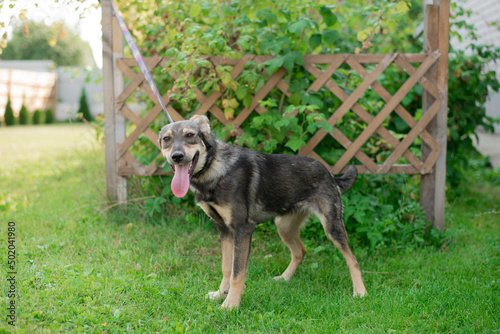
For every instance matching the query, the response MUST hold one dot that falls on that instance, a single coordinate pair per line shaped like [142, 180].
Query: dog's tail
[347, 180]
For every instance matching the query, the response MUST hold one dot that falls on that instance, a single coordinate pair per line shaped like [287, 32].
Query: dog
[239, 188]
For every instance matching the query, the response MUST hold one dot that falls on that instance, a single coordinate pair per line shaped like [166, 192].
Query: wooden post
[114, 122]
[432, 186]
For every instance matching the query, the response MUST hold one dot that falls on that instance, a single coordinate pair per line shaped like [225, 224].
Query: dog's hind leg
[289, 231]
[335, 230]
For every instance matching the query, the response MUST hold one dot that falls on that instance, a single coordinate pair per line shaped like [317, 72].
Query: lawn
[83, 267]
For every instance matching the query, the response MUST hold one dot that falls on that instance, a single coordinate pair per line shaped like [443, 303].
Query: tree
[83, 109]
[34, 40]
[23, 115]
[49, 116]
[37, 117]
[9, 113]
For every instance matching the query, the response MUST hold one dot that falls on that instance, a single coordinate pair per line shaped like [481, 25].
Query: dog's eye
[166, 138]
[189, 135]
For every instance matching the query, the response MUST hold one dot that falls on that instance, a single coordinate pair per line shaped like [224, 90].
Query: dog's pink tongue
[180, 182]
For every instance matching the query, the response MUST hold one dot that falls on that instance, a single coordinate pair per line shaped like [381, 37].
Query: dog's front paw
[359, 294]
[215, 295]
[282, 278]
[230, 303]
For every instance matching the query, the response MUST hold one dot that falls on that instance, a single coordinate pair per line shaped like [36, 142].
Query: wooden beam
[114, 123]
[432, 186]
[347, 104]
[386, 111]
[120, 120]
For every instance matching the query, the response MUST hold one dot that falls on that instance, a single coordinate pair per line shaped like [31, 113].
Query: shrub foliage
[49, 116]
[83, 109]
[186, 31]
[9, 113]
[37, 117]
[24, 115]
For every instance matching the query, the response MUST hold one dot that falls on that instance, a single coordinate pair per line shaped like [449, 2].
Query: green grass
[82, 268]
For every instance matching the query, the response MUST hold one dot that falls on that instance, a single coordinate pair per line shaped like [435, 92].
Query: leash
[138, 58]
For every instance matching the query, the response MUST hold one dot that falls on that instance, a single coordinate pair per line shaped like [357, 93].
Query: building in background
[40, 85]
[70, 82]
[32, 83]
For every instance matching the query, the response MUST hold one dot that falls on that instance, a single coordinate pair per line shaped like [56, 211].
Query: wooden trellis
[429, 69]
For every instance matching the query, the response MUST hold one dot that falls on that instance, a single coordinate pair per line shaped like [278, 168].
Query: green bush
[469, 85]
[186, 31]
[235, 29]
[83, 109]
[24, 115]
[49, 116]
[37, 117]
[9, 113]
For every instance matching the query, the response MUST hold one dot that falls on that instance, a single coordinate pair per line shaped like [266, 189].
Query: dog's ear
[204, 125]
[203, 122]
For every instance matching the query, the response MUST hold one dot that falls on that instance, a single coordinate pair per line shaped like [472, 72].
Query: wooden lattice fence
[428, 69]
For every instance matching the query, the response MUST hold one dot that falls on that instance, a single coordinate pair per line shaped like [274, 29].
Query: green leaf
[312, 99]
[295, 144]
[328, 17]
[229, 113]
[326, 126]
[241, 92]
[247, 101]
[257, 122]
[298, 57]
[392, 26]
[360, 216]
[282, 122]
[363, 34]
[291, 59]
[295, 98]
[267, 15]
[403, 6]
[268, 103]
[331, 36]
[273, 64]
[315, 41]
[206, 11]
[171, 52]
[298, 85]
[311, 128]
[203, 63]
[233, 103]
[296, 28]
[400, 125]
[272, 45]
[290, 109]
[270, 145]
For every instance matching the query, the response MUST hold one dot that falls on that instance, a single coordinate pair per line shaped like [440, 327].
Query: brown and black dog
[239, 188]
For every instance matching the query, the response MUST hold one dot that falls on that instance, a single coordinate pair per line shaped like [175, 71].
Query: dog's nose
[177, 156]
